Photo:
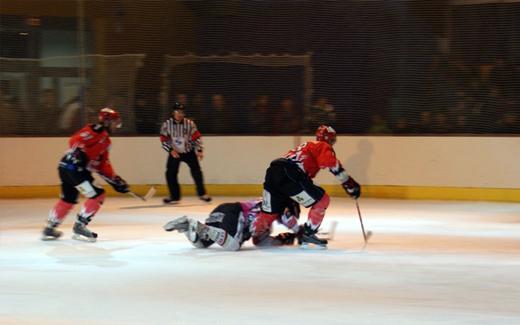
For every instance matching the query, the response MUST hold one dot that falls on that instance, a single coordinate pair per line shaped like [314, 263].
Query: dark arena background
[424, 97]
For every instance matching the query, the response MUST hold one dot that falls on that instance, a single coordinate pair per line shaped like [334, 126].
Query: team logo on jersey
[303, 198]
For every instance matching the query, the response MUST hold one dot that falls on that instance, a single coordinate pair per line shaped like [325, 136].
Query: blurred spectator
[502, 76]
[8, 110]
[322, 112]
[50, 110]
[72, 114]
[461, 124]
[164, 99]
[287, 118]
[182, 99]
[378, 125]
[401, 126]
[509, 123]
[219, 119]
[70, 118]
[145, 116]
[261, 119]
[440, 123]
[425, 123]
[197, 108]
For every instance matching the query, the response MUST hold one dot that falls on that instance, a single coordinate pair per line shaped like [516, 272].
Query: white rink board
[482, 162]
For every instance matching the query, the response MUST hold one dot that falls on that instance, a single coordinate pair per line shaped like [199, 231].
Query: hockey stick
[148, 195]
[368, 234]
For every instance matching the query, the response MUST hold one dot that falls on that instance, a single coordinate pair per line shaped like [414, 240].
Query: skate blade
[83, 238]
[312, 246]
[49, 238]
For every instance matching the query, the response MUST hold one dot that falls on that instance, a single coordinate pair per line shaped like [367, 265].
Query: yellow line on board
[255, 190]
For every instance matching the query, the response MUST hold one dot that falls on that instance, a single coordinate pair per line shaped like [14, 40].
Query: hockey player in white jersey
[230, 225]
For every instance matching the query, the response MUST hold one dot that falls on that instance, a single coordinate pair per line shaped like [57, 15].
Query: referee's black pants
[172, 171]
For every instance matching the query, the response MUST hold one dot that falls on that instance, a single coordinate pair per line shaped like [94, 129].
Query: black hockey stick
[368, 234]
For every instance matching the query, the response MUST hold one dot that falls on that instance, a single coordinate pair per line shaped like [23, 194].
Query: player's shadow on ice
[78, 253]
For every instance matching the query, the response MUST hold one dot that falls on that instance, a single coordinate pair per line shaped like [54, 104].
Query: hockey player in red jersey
[88, 151]
[230, 224]
[290, 178]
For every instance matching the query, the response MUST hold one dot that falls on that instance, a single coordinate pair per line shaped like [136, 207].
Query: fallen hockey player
[230, 225]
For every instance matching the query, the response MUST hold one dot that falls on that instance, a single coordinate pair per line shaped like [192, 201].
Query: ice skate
[180, 224]
[51, 233]
[196, 230]
[205, 198]
[309, 239]
[169, 200]
[82, 233]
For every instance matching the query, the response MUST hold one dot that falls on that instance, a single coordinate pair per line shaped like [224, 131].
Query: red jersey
[315, 155]
[94, 142]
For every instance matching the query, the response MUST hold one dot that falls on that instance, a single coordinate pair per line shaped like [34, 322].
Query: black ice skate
[309, 237]
[82, 233]
[51, 233]
[169, 200]
[180, 224]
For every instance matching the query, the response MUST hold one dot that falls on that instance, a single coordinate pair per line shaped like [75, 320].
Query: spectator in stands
[401, 126]
[8, 111]
[219, 119]
[287, 120]
[197, 108]
[261, 119]
[182, 99]
[378, 125]
[322, 112]
[145, 119]
[164, 99]
[73, 112]
[440, 123]
[425, 122]
[509, 123]
[502, 77]
[70, 117]
[50, 110]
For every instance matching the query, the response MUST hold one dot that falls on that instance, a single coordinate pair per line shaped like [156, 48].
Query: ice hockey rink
[428, 262]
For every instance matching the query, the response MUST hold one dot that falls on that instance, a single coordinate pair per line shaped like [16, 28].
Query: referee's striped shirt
[180, 136]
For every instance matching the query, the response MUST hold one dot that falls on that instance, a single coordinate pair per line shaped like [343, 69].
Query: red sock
[60, 211]
[317, 212]
[91, 206]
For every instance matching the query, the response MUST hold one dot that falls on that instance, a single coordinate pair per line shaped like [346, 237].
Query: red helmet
[326, 133]
[109, 117]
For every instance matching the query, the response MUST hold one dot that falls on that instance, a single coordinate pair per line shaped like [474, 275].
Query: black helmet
[178, 107]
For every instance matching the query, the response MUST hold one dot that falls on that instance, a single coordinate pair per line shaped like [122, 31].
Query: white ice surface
[427, 263]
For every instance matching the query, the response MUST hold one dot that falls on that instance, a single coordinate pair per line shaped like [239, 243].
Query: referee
[181, 139]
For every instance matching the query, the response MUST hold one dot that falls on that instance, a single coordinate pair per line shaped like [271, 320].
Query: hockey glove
[119, 184]
[352, 187]
[285, 238]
